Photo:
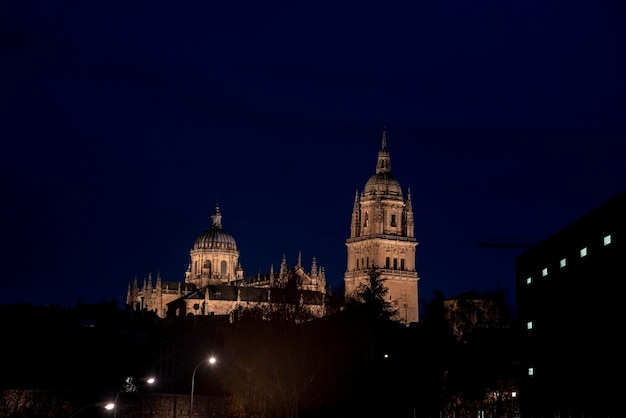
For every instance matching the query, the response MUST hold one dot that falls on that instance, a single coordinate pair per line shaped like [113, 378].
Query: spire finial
[383, 164]
[384, 138]
[216, 218]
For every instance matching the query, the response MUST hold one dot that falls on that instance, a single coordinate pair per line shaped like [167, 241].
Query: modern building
[382, 235]
[570, 309]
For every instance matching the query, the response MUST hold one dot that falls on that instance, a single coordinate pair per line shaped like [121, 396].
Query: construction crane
[511, 242]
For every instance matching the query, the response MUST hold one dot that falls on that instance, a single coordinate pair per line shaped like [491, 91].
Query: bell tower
[382, 235]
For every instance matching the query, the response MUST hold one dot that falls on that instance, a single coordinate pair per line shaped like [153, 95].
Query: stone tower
[382, 235]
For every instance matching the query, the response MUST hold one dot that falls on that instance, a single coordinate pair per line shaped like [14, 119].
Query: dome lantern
[215, 237]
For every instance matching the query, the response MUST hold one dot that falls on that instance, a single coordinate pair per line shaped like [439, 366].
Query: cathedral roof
[215, 237]
[250, 294]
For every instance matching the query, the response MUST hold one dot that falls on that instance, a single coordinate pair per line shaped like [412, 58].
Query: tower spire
[408, 227]
[384, 163]
[355, 226]
[384, 147]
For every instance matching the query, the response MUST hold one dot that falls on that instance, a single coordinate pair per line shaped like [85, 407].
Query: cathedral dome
[215, 237]
[383, 184]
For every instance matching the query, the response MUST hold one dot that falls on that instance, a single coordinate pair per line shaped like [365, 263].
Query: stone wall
[154, 405]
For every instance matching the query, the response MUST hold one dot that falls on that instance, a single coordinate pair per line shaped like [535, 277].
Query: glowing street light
[210, 360]
[127, 386]
[105, 405]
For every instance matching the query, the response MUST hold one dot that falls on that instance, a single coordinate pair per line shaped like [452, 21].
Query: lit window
[544, 272]
[583, 252]
[607, 240]
[563, 262]
[514, 394]
[529, 325]
[529, 280]
[531, 371]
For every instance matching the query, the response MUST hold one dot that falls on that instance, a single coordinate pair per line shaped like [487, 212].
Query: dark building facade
[569, 293]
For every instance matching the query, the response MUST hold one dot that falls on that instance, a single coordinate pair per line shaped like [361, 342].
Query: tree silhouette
[372, 295]
[272, 366]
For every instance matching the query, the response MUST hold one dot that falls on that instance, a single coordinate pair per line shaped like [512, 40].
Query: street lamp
[108, 406]
[210, 360]
[127, 386]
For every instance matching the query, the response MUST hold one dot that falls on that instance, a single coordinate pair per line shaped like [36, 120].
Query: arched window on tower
[387, 261]
[223, 267]
[395, 264]
[393, 219]
[366, 221]
[402, 267]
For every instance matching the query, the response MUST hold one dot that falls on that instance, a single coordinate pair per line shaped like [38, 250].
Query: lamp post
[105, 405]
[127, 386]
[210, 360]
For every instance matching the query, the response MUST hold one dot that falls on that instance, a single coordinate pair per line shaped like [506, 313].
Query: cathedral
[381, 235]
[215, 283]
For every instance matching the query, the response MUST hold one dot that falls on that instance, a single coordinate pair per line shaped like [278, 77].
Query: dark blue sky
[124, 122]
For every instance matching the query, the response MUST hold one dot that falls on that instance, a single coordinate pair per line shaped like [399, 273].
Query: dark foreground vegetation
[274, 361]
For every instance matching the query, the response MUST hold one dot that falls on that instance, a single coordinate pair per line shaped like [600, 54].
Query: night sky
[124, 123]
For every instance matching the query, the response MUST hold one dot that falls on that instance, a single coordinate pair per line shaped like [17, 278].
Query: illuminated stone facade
[382, 235]
[215, 283]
